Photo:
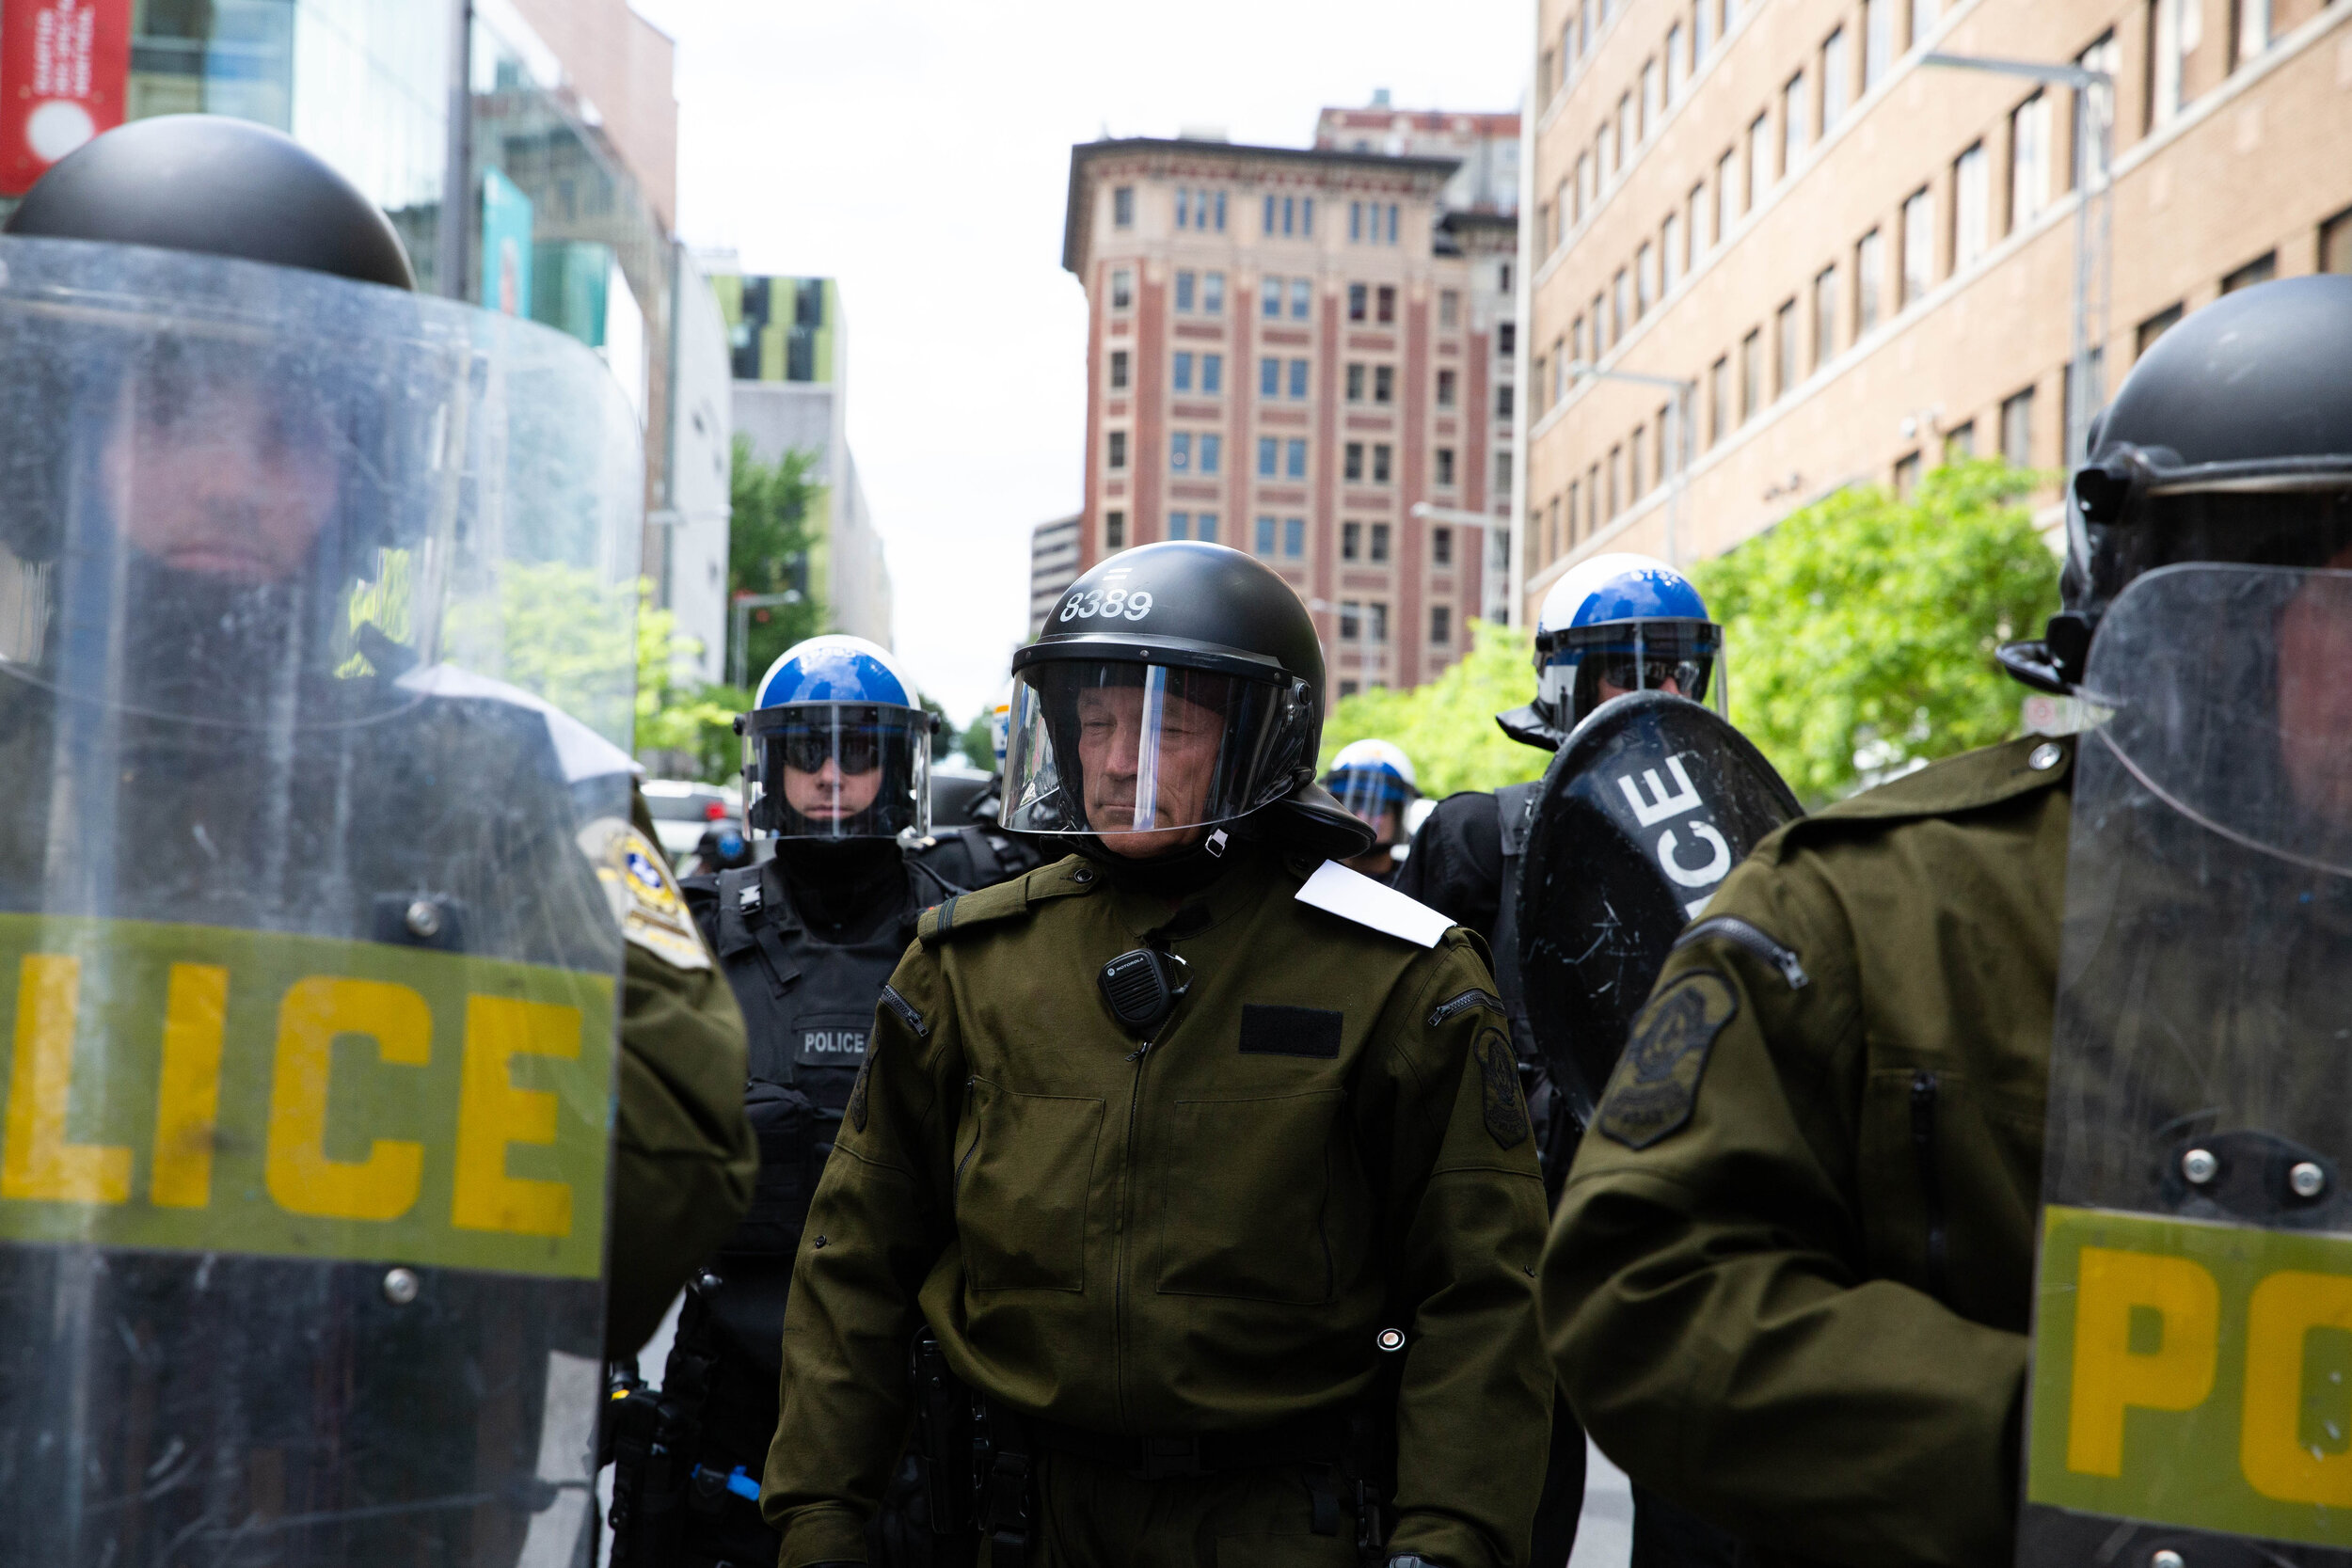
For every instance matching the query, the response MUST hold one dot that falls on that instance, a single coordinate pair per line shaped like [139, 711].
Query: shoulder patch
[644, 896]
[1352, 896]
[1657, 1082]
[1499, 1088]
[965, 911]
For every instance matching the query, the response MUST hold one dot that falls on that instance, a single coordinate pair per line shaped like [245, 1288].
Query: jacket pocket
[1021, 1188]
[1244, 1210]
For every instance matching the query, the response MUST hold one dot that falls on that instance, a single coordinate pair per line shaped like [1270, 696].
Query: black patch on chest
[1270, 1031]
[838, 1041]
[1657, 1082]
[1499, 1089]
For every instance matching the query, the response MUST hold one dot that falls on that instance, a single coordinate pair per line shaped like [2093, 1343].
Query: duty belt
[1315, 1441]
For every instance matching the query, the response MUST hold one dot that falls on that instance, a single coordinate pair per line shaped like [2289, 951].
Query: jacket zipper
[1740, 934]
[1923, 1090]
[905, 1009]
[1469, 998]
[965, 1163]
[1141, 1057]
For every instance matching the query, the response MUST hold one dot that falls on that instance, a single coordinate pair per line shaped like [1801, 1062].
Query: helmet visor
[1111, 746]
[1585, 666]
[1375, 794]
[839, 770]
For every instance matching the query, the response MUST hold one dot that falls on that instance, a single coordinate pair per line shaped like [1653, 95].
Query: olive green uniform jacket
[1790, 1277]
[682, 1150]
[1325, 1139]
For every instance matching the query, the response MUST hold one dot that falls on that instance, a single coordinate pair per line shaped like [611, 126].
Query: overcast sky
[918, 150]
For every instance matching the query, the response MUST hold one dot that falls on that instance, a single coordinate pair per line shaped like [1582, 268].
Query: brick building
[1289, 351]
[1865, 262]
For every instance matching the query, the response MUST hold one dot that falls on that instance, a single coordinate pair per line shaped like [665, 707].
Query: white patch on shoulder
[1353, 895]
[644, 898]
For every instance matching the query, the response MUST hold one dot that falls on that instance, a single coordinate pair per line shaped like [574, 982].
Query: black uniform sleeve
[1456, 863]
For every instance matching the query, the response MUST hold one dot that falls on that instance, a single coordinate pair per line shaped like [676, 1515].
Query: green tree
[768, 545]
[676, 719]
[1860, 630]
[1448, 726]
[978, 742]
[944, 737]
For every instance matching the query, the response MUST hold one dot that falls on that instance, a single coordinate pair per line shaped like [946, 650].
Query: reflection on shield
[1644, 812]
[2191, 1388]
[304, 1155]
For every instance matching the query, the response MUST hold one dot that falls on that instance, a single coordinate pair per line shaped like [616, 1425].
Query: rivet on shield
[2307, 1178]
[2167, 1557]
[2045, 757]
[1390, 1339]
[401, 1286]
[2199, 1166]
[424, 918]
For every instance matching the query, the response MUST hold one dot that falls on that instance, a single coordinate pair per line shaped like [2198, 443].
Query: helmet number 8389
[1108, 603]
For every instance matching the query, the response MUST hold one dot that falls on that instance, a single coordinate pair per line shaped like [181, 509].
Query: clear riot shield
[2190, 1399]
[304, 1142]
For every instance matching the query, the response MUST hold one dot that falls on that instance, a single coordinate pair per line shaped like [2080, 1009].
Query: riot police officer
[1374, 779]
[837, 756]
[1199, 1159]
[1611, 624]
[360, 1271]
[1792, 1276]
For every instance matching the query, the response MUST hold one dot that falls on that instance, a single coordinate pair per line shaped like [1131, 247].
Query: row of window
[1202, 209]
[1199, 209]
[1290, 533]
[1203, 452]
[1205, 374]
[1181, 447]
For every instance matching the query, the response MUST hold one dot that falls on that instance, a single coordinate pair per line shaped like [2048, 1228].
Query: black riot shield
[1644, 812]
[311, 989]
[2190, 1396]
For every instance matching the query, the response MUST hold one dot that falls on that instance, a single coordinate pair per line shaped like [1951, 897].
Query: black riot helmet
[2230, 441]
[218, 186]
[1177, 686]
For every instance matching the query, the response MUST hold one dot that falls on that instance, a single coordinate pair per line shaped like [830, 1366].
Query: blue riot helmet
[1374, 779]
[1617, 624]
[839, 746]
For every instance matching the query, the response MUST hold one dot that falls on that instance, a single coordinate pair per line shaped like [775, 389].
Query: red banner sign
[64, 67]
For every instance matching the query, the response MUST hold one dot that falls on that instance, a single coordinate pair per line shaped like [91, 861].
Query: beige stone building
[1863, 262]
[1289, 350]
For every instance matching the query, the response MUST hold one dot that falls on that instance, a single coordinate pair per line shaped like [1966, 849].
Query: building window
[1824, 316]
[1180, 451]
[1506, 339]
[1294, 537]
[1922, 21]
[1392, 223]
[1183, 206]
[1355, 223]
[1180, 525]
[2028, 160]
[1616, 480]
[1503, 401]
[2017, 429]
[2180, 25]
[2254, 29]
[1868, 262]
[1351, 620]
[1552, 541]
[1440, 624]
[1295, 460]
[1213, 374]
[1266, 536]
[1213, 294]
[1269, 451]
[2077, 435]
[1446, 379]
[1122, 289]
[1114, 530]
[1670, 252]
[1878, 41]
[1705, 29]
[1961, 445]
[1298, 379]
[1759, 159]
[1919, 249]
[2154, 327]
[1352, 462]
[1380, 463]
[1117, 456]
[1445, 468]
[1269, 379]
[1184, 283]
[1751, 374]
[1385, 313]
[1351, 541]
[1906, 476]
[2335, 243]
[1118, 369]
[1628, 133]
[1180, 366]
[1503, 473]
[1441, 546]
[1212, 453]
[1644, 279]
[1266, 223]
[1347, 690]
[2262, 269]
[1653, 97]
[1377, 622]
[1785, 375]
[1836, 78]
[1381, 539]
[2099, 103]
[1384, 384]
[1354, 383]
[1270, 299]
[1718, 400]
[1205, 528]
[1301, 289]
[1971, 207]
[1123, 207]
[1794, 129]
[1359, 301]
[1449, 309]
[1621, 311]
[1677, 64]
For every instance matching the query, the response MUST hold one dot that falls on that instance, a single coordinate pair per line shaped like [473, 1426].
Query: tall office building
[1053, 566]
[789, 346]
[1289, 351]
[1863, 262]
